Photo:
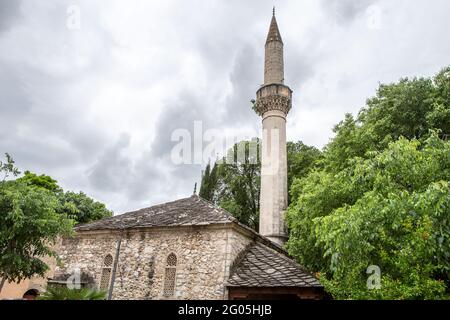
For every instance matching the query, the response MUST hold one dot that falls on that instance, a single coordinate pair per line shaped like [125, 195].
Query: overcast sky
[91, 91]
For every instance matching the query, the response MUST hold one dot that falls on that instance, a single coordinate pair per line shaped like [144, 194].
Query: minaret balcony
[274, 96]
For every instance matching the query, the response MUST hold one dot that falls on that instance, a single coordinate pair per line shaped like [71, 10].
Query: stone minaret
[273, 102]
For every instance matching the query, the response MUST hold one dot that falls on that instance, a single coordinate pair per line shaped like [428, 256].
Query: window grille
[170, 275]
[108, 261]
[172, 260]
[106, 272]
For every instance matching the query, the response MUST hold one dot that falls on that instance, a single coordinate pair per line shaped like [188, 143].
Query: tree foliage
[42, 181]
[409, 108]
[301, 160]
[233, 182]
[209, 182]
[29, 225]
[81, 207]
[34, 212]
[77, 206]
[379, 195]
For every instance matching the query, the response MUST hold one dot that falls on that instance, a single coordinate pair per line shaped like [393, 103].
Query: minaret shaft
[273, 104]
[273, 202]
[274, 63]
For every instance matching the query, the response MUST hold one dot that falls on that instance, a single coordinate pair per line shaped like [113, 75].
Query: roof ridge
[207, 213]
[216, 207]
[130, 212]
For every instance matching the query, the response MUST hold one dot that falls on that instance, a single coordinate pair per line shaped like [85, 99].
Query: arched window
[169, 279]
[106, 272]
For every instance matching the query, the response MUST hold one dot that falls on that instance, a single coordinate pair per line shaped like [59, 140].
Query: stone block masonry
[204, 256]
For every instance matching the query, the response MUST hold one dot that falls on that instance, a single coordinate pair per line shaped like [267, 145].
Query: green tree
[400, 223]
[237, 189]
[301, 160]
[409, 108]
[29, 226]
[82, 208]
[42, 181]
[379, 195]
[77, 206]
[209, 182]
[205, 190]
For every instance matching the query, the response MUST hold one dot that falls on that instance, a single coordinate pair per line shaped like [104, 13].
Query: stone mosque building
[191, 249]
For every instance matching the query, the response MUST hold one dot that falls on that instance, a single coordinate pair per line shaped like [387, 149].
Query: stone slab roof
[261, 266]
[183, 212]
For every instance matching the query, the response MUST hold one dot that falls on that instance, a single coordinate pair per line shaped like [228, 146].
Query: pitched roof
[274, 32]
[183, 212]
[261, 266]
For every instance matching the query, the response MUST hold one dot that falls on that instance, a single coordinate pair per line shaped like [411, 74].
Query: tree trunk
[2, 282]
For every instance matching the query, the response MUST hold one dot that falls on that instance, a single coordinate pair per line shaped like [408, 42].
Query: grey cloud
[43, 120]
[187, 176]
[300, 65]
[344, 11]
[113, 166]
[39, 124]
[247, 69]
[9, 13]
[136, 178]
[13, 92]
[180, 113]
[151, 175]
[38, 154]
[147, 180]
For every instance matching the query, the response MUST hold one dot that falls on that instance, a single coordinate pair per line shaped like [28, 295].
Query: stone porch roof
[261, 266]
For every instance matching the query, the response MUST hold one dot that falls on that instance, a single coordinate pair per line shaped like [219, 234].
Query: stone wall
[204, 256]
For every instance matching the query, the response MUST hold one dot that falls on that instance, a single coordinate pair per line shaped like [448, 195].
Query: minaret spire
[274, 32]
[273, 102]
[274, 62]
